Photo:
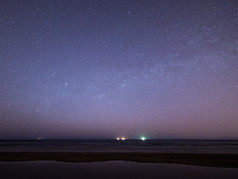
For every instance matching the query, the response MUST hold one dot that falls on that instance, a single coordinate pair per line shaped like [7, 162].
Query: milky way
[103, 69]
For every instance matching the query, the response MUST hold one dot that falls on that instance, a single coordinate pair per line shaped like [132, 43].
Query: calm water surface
[164, 146]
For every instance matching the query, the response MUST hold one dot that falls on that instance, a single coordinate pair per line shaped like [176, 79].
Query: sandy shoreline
[202, 159]
[110, 169]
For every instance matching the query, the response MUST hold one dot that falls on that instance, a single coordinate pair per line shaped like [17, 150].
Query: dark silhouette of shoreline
[212, 160]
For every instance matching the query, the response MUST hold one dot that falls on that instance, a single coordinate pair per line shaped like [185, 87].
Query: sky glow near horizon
[102, 69]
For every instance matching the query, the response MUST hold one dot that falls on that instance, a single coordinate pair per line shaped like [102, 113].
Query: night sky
[113, 68]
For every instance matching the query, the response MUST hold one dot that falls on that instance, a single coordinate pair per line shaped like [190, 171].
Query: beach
[118, 159]
[108, 170]
[212, 160]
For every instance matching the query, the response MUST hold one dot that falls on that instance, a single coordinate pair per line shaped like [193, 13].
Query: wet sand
[213, 160]
[118, 159]
[112, 169]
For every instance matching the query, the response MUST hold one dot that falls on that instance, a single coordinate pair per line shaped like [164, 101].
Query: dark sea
[112, 145]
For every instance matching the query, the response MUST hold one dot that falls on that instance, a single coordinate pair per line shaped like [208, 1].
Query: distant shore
[198, 159]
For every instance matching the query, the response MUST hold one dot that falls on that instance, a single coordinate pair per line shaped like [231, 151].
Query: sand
[212, 160]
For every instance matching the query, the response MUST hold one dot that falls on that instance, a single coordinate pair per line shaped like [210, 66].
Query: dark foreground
[110, 170]
[212, 160]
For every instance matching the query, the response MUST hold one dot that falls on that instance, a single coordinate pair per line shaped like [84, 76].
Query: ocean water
[155, 145]
[110, 170]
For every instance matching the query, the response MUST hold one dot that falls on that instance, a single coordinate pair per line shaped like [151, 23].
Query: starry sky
[111, 68]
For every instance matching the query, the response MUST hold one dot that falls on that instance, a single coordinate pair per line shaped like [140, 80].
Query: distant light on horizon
[122, 138]
[143, 138]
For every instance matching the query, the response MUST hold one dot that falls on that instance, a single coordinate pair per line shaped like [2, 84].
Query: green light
[143, 138]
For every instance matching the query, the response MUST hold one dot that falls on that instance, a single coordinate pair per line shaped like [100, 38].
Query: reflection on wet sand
[111, 169]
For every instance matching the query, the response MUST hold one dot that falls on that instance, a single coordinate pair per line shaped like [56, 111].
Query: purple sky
[103, 69]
